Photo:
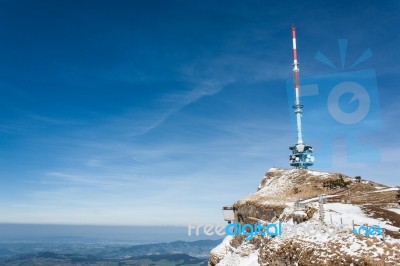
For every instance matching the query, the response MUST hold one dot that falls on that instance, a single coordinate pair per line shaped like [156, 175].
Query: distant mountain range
[199, 249]
[51, 259]
[174, 253]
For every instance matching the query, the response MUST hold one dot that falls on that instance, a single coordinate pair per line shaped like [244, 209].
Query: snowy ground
[246, 254]
[327, 236]
[330, 240]
[348, 213]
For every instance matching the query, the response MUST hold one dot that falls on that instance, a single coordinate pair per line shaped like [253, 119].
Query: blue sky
[156, 113]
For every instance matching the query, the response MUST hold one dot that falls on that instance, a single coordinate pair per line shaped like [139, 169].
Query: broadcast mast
[302, 155]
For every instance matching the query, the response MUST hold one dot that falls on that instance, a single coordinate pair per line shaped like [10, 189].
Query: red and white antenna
[297, 106]
[302, 155]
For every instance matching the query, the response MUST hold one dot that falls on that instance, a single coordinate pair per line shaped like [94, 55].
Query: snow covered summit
[355, 222]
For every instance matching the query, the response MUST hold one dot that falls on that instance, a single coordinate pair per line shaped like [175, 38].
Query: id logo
[343, 105]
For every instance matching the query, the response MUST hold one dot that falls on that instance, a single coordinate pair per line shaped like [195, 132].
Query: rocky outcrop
[314, 233]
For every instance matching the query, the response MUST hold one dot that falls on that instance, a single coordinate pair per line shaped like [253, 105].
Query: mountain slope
[314, 233]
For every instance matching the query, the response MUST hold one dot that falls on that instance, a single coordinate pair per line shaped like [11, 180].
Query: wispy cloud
[179, 100]
[54, 121]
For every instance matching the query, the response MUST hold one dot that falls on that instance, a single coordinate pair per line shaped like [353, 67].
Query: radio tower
[301, 157]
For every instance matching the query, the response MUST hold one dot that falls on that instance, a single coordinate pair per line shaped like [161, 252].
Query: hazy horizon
[96, 234]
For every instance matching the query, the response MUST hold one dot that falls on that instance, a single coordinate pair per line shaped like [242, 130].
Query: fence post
[350, 195]
[321, 209]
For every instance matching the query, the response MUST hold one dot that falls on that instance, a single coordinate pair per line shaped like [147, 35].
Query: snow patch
[347, 213]
[385, 190]
[394, 210]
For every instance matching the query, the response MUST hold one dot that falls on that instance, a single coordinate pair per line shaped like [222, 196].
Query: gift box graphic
[341, 107]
